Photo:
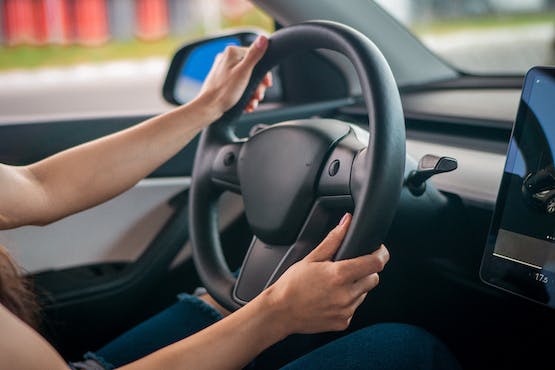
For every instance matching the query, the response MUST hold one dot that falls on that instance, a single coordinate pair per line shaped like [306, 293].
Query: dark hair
[16, 292]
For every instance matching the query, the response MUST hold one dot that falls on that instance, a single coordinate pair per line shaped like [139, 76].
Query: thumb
[255, 52]
[327, 248]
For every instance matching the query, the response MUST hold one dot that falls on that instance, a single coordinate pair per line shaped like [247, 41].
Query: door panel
[116, 231]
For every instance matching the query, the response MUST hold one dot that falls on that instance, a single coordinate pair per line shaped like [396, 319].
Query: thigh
[179, 321]
[383, 347]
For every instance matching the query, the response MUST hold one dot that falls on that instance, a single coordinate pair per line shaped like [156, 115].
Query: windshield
[482, 36]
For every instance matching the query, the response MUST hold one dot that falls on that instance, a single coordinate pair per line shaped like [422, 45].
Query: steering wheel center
[278, 169]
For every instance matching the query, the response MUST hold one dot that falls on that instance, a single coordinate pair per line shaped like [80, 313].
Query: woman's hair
[15, 290]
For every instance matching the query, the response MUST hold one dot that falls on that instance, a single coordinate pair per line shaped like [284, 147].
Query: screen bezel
[504, 274]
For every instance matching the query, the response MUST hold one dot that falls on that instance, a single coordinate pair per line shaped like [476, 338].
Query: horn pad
[278, 172]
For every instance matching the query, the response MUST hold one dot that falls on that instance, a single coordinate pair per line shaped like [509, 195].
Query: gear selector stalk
[428, 166]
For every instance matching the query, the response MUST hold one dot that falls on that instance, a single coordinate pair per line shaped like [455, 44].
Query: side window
[101, 57]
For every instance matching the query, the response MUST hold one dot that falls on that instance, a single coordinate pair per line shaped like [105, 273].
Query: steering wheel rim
[376, 186]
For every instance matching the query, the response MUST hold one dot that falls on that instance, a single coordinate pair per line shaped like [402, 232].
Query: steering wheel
[298, 178]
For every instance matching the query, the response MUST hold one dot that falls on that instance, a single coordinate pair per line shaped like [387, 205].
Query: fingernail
[255, 104]
[344, 219]
[261, 42]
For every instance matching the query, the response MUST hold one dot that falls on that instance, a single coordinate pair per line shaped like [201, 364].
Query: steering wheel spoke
[335, 179]
[257, 269]
[224, 169]
[265, 263]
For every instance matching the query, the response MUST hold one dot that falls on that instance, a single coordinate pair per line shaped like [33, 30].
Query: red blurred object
[59, 21]
[91, 21]
[81, 21]
[18, 20]
[152, 19]
[40, 27]
[36, 21]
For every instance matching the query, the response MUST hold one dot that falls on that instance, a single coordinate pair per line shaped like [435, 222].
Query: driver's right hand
[318, 294]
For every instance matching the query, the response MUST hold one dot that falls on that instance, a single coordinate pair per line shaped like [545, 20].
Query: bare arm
[89, 174]
[314, 295]
[23, 348]
[228, 344]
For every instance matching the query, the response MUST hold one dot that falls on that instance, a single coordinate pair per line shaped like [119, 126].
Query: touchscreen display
[520, 251]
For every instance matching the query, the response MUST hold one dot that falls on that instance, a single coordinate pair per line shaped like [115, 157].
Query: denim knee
[382, 346]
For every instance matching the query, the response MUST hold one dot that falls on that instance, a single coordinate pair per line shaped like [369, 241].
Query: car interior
[435, 141]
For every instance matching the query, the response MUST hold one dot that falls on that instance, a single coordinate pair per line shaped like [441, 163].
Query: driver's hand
[317, 294]
[230, 75]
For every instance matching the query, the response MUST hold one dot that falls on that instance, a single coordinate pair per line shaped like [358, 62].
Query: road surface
[129, 87]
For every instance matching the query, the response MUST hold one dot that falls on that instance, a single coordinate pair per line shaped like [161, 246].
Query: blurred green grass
[29, 56]
[26, 57]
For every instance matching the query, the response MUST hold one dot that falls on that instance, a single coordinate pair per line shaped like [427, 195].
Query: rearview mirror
[193, 61]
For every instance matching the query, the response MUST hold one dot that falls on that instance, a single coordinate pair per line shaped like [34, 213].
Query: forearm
[89, 174]
[229, 344]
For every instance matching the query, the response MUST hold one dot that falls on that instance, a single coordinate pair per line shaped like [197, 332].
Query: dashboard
[477, 178]
[470, 125]
[480, 159]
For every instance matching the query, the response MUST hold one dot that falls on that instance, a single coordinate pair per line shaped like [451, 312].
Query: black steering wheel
[297, 178]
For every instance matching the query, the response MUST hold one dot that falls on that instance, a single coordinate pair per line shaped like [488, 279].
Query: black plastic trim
[469, 82]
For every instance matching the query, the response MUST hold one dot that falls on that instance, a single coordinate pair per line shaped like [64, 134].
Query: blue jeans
[381, 346]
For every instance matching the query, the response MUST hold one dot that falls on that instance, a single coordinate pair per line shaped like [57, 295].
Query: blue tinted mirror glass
[197, 65]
